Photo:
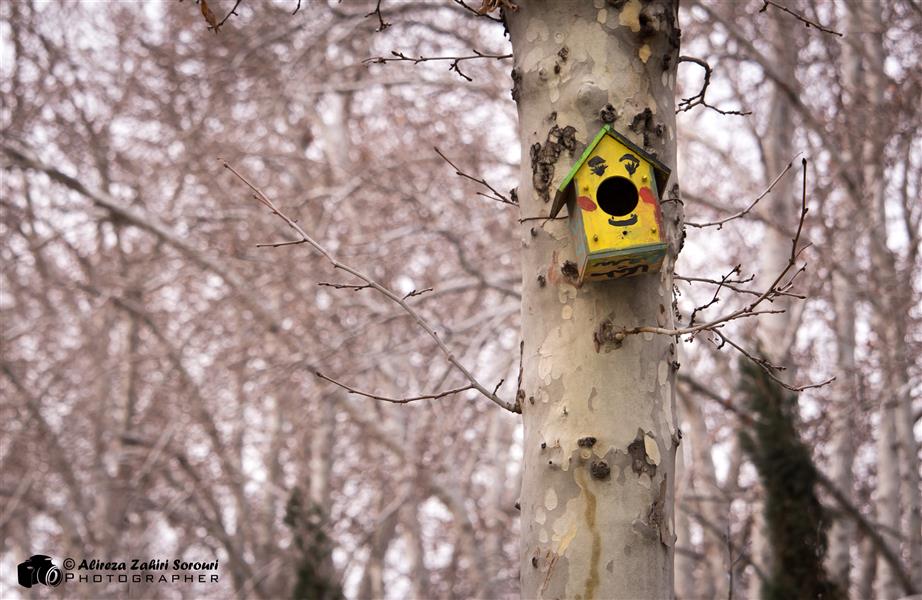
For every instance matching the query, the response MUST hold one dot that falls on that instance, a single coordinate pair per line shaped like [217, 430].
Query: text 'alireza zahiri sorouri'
[139, 570]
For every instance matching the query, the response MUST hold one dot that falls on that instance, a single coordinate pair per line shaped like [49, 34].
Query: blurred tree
[795, 522]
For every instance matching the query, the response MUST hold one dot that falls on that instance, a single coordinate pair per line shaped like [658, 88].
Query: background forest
[159, 368]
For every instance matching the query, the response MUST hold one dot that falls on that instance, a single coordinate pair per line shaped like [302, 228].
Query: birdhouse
[613, 196]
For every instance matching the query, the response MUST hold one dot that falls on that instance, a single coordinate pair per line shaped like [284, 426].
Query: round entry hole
[617, 196]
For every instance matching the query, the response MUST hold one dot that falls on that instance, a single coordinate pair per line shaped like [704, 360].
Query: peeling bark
[597, 518]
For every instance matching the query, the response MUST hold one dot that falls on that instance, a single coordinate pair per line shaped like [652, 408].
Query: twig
[729, 284]
[352, 390]
[382, 23]
[499, 197]
[344, 286]
[498, 385]
[715, 299]
[545, 219]
[807, 22]
[280, 244]
[686, 104]
[233, 11]
[455, 60]
[477, 12]
[719, 224]
[264, 200]
[412, 293]
[297, 8]
[769, 367]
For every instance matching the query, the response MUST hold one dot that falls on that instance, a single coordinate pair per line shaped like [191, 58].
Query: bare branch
[686, 104]
[719, 224]
[263, 199]
[233, 11]
[412, 293]
[455, 60]
[151, 224]
[477, 12]
[344, 286]
[382, 24]
[280, 244]
[807, 22]
[720, 533]
[769, 367]
[496, 194]
[729, 284]
[545, 219]
[407, 400]
[715, 299]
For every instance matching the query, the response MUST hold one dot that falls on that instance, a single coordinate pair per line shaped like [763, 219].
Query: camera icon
[39, 569]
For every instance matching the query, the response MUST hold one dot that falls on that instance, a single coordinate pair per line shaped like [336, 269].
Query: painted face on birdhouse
[614, 203]
[617, 199]
[615, 214]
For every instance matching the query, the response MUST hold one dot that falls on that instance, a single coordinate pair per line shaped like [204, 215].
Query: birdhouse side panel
[579, 241]
[625, 263]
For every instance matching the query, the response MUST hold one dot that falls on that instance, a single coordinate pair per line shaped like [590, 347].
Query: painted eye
[617, 196]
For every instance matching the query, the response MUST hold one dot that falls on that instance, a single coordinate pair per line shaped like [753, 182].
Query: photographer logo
[38, 569]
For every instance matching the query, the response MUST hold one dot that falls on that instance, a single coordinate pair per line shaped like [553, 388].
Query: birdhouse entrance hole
[617, 196]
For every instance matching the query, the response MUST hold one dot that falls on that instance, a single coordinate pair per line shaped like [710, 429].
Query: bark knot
[570, 270]
[606, 337]
[640, 462]
[600, 470]
[608, 114]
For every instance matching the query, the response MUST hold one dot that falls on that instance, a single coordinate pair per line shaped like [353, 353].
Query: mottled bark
[599, 443]
[684, 560]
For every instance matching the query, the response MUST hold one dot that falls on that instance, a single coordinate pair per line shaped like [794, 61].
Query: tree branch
[720, 223]
[407, 400]
[455, 60]
[686, 104]
[807, 22]
[496, 194]
[382, 24]
[386, 292]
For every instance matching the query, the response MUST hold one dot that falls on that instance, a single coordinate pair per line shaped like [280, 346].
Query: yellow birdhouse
[613, 195]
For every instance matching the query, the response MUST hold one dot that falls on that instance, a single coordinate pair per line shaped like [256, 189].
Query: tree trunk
[776, 248]
[597, 491]
[684, 561]
[715, 571]
[897, 460]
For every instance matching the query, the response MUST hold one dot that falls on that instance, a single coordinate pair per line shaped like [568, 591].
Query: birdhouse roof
[661, 171]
